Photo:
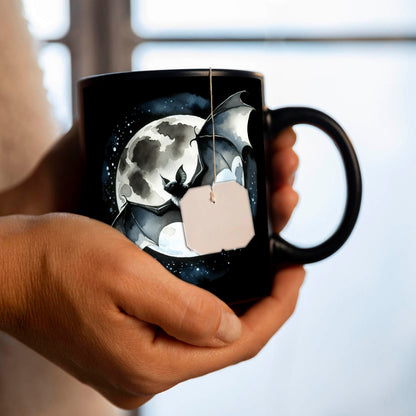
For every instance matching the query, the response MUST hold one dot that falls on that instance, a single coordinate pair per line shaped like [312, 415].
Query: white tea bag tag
[225, 224]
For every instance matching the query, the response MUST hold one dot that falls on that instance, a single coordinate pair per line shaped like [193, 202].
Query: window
[355, 60]
[268, 18]
[49, 22]
[350, 347]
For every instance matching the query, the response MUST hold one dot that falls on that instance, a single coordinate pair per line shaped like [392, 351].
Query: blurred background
[350, 347]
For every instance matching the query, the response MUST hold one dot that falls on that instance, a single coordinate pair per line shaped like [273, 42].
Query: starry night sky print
[134, 120]
[200, 270]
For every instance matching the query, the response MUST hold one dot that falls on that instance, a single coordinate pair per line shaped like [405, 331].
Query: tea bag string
[212, 195]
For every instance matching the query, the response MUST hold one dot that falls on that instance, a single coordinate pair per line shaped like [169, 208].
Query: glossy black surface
[112, 109]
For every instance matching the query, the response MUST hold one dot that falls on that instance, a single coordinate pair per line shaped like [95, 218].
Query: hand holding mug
[89, 301]
[153, 139]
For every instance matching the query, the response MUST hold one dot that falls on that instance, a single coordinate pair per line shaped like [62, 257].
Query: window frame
[101, 39]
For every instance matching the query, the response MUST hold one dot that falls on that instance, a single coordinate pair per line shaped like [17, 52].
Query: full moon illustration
[155, 154]
[157, 150]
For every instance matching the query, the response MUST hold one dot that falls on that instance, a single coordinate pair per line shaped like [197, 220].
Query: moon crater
[158, 149]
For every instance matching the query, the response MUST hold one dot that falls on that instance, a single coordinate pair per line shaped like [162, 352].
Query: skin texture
[82, 295]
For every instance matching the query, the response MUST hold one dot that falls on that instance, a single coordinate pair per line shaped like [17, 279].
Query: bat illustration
[233, 152]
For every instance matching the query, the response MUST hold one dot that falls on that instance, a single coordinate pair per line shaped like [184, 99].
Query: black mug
[149, 138]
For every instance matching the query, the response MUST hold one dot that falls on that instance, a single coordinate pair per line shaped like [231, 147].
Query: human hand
[85, 297]
[283, 165]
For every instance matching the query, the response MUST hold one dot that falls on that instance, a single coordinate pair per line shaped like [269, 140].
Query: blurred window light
[241, 18]
[55, 61]
[48, 19]
[332, 77]
[370, 88]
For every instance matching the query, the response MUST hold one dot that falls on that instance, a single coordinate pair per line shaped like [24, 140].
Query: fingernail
[230, 327]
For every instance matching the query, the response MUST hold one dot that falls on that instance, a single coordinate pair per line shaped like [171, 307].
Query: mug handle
[285, 252]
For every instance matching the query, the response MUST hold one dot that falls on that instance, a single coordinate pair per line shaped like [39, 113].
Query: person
[87, 299]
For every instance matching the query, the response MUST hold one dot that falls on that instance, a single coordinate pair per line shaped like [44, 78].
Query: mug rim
[165, 73]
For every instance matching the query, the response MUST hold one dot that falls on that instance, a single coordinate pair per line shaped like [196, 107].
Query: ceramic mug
[151, 137]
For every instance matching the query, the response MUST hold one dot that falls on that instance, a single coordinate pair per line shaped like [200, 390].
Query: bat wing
[230, 121]
[225, 154]
[231, 137]
[140, 222]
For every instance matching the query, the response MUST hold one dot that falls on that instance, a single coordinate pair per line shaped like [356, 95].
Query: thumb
[183, 310]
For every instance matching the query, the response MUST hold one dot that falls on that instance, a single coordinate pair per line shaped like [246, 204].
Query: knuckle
[128, 402]
[139, 385]
[149, 378]
[292, 198]
[290, 136]
[284, 200]
[295, 197]
[294, 160]
[144, 387]
[252, 351]
[291, 132]
[148, 386]
[289, 307]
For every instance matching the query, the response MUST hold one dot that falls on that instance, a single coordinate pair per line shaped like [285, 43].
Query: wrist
[19, 264]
